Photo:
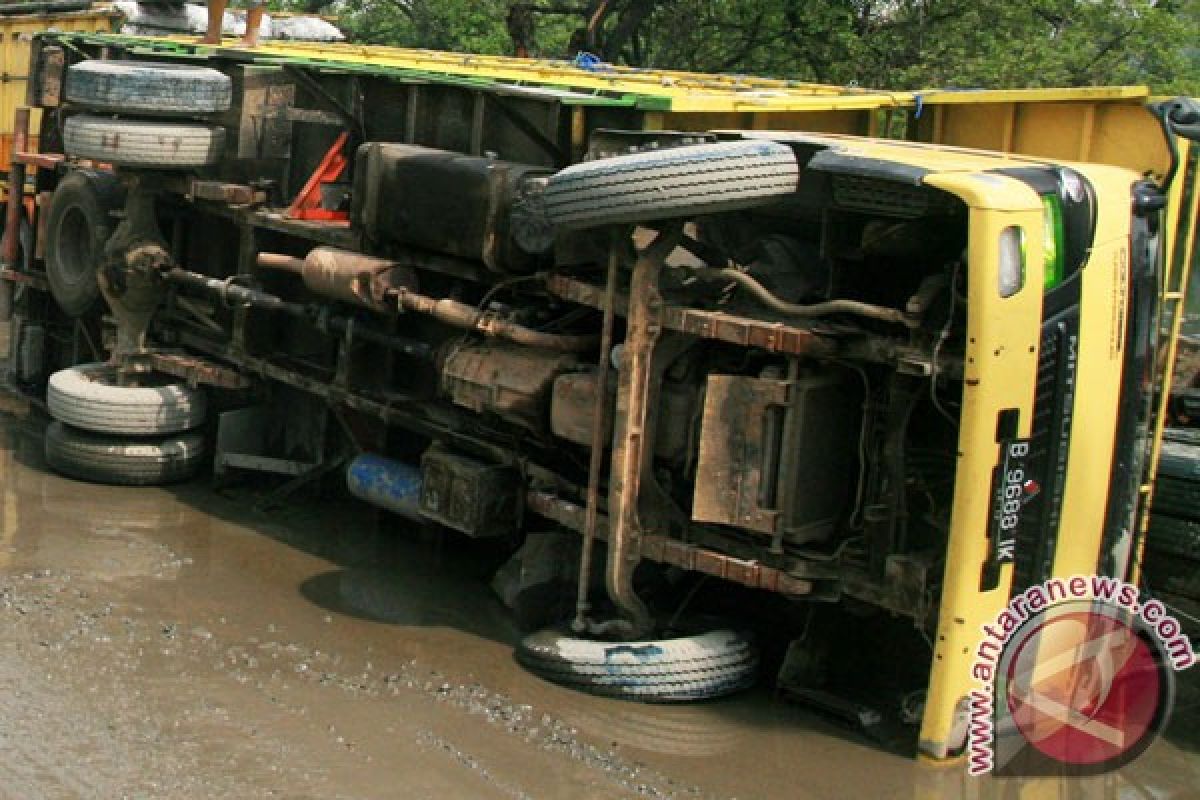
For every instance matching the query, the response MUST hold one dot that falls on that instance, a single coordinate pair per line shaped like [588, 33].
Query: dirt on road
[175, 643]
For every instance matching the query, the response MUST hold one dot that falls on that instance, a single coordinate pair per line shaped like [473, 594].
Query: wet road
[175, 643]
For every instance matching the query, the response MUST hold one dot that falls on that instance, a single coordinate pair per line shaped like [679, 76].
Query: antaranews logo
[1075, 676]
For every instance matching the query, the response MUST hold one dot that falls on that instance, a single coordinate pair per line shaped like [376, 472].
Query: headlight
[1012, 260]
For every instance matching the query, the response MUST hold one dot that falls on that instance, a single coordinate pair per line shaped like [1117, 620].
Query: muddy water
[176, 643]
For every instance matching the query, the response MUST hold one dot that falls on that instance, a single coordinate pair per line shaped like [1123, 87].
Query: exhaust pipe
[344, 275]
[383, 285]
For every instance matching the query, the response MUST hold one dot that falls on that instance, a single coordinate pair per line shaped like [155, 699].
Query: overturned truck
[883, 383]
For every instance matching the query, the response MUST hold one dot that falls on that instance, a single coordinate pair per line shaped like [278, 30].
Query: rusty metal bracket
[39, 160]
[774, 337]
[230, 193]
[600, 428]
[197, 371]
[191, 370]
[734, 483]
[665, 550]
[131, 278]
[634, 385]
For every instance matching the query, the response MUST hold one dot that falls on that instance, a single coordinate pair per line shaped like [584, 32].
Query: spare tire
[141, 143]
[148, 87]
[676, 182]
[79, 224]
[677, 670]
[122, 461]
[86, 397]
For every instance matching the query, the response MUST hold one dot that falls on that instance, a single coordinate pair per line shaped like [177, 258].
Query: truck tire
[1183, 435]
[1176, 537]
[676, 182]
[1164, 573]
[148, 87]
[1179, 460]
[77, 228]
[85, 397]
[119, 461]
[1177, 497]
[139, 143]
[689, 668]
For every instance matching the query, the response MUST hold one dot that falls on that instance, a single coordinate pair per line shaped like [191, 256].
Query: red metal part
[307, 204]
[39, 160]
[36, 281]
[16, 198]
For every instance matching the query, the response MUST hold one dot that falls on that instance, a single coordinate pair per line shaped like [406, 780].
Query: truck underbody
[648, 384]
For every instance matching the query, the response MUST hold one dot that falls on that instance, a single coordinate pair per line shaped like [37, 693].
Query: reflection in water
[413, 595]
[699, 731]
[313, 578]
[1178, 781]
[106, 533]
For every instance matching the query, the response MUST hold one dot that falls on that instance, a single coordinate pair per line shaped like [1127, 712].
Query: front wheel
[675, 670]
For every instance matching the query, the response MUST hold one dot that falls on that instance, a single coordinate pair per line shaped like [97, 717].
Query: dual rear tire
[121, 461]
[122, 435]
[103, 432]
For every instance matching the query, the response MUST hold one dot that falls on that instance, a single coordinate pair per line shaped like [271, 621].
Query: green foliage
[877, 43]
[951, 43]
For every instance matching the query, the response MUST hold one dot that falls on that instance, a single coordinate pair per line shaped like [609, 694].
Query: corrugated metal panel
[1116, 130]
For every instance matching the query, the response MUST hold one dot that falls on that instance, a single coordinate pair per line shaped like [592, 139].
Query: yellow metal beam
[668, 90]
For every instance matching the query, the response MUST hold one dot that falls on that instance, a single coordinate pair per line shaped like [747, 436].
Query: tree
[952, 43]
[877, 43]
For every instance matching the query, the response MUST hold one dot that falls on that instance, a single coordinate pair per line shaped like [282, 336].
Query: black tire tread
[1177, 497]
[668, 692]
[676, 671]
[1179, 459]
[141, 143]
[1173, 536]
[1164, 572]
[148, 87]
[676, 182]
[95, 194]
[674, 668]
[119, 461]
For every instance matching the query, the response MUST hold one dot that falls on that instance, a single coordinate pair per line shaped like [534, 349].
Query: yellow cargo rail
[1105, 124]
